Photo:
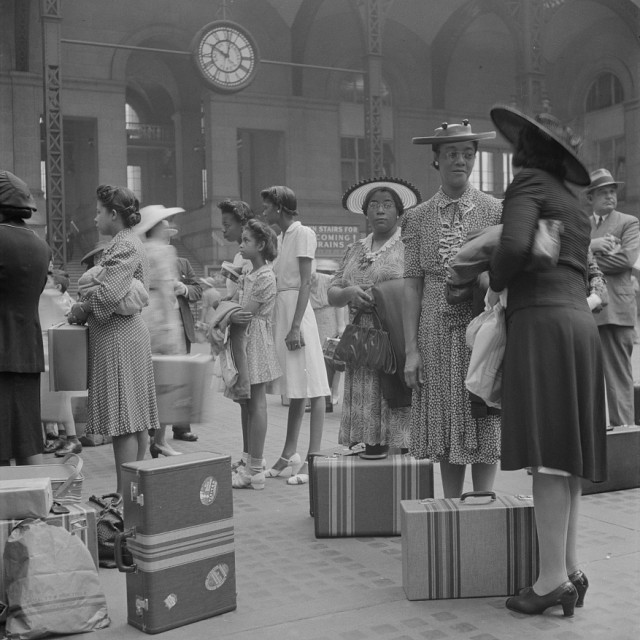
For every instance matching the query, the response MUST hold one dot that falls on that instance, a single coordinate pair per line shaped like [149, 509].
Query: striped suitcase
[178, 515]
[356, 497]
[461, 548]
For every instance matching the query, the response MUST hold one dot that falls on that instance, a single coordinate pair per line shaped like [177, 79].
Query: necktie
[599, 222]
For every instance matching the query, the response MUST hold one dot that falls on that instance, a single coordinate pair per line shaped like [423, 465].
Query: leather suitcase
[623, 462]
[178, 516]
[68, 357]
[356, 497]
[463, 548]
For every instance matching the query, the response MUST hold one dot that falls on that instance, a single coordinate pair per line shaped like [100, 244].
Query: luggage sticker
[208, 490]
[171, 601]
[216, 577]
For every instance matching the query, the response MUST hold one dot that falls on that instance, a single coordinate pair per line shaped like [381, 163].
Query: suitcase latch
[142, 605]
[135, 496]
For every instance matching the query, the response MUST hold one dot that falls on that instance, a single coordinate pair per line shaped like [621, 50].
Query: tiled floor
[292, 585]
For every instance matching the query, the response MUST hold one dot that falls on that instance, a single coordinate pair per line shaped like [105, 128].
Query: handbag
[109, 522]
[366, 346]
[546, 245]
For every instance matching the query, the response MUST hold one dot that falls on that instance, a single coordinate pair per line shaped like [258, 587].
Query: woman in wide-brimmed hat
[367, 416]
[445, 426]
[553, 416]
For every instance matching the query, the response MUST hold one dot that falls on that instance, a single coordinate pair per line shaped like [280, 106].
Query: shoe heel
[568, 603]
[258, 481]
[581, 583]
[295, 462]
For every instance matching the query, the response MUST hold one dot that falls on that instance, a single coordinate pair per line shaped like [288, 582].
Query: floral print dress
[366, 415]
[442, 427]
[260, 286]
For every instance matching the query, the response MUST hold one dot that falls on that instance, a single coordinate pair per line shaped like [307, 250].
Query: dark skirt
[20, 426]
[553, 403]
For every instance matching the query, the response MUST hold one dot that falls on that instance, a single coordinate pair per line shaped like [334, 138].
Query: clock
[226, 56]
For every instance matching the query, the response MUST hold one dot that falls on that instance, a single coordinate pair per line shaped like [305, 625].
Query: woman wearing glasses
[444, 427]
[366, 414]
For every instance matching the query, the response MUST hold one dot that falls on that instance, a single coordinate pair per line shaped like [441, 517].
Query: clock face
[226, 56]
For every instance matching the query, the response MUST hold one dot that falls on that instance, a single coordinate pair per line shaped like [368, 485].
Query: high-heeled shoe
[158, 449]
[295, 462]
[581, 583]
[529, 602]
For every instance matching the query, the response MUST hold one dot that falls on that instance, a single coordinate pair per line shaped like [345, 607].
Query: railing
[146, 133]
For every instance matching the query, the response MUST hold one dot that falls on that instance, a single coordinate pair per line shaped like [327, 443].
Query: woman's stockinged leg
[126, 449]
[257, 421]
[318, 406]
[575, 490]
[552, 506]
[483, 476]
[452, 478]
[294, 423]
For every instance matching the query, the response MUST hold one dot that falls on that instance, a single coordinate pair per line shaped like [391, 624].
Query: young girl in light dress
[258, 298]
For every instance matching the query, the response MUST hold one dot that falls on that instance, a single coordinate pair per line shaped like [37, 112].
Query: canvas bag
[52, 583]
[487, 336]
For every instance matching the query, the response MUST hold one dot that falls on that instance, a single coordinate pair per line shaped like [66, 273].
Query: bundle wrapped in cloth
[134, 301]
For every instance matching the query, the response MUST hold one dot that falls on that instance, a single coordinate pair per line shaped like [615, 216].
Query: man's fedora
[454, 133]
[601, 178]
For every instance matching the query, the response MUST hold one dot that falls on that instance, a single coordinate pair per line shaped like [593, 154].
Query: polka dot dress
[442, 427]
[122, 397]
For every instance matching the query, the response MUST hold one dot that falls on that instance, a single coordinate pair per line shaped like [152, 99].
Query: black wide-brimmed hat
[509, 121]
[454, 133]
[15, 195]
[354, 197]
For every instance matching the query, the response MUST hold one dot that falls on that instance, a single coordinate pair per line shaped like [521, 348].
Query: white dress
[304, 372]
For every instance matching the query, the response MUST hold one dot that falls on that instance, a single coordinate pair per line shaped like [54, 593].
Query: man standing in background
[615, 242]
[187, 290]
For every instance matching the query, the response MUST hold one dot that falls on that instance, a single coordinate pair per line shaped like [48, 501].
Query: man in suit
[187, 290]
[615, 242]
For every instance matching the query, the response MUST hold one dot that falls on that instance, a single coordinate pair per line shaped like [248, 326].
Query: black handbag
[109, 522]
[366, 346]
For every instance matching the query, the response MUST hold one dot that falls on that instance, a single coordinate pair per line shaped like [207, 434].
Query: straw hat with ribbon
[152, 214]
[354, 197]
[454, 133]
[510, 122]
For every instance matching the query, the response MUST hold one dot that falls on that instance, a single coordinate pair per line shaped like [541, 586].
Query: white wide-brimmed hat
[354, 197]
[152, 214]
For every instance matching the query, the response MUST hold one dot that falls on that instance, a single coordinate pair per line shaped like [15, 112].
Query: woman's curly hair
[262, 232]
[121, 200]
[239, 209]
[282, 198]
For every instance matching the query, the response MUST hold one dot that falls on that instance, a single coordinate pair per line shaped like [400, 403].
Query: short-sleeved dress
[122, 395]
[303, 372]
[442, 426]
[366, 415]
[260, 286]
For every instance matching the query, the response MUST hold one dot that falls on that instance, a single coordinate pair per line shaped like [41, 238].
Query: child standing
[258, 298]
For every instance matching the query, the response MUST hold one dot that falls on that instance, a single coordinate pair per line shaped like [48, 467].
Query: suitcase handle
[121, 540]
[478, 494]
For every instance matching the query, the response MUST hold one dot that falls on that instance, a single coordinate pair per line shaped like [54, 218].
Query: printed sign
[334, 239]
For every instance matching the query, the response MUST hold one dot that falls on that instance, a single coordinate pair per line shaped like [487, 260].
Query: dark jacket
[24, 260]
[188, 277]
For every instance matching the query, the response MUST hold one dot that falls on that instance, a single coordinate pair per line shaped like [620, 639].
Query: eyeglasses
[452, 156]
[387, 205]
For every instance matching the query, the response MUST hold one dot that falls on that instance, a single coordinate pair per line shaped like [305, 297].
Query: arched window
[131, 115]
[605, 91]
[352, 90]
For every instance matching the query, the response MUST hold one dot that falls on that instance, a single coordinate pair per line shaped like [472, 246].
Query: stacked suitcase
[178, 514]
